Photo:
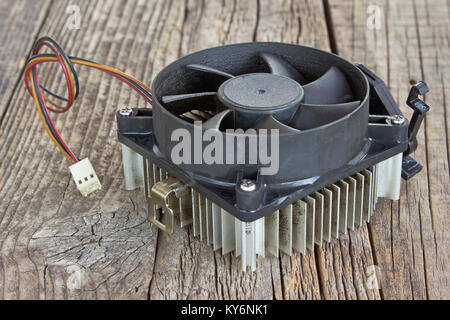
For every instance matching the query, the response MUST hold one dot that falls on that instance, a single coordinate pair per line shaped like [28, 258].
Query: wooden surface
[49, 234]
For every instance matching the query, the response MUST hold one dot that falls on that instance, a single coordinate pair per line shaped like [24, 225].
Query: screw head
[126, 111]
[248, 185]
[398, 119]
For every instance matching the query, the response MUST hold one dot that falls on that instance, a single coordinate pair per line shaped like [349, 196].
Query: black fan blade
[331, 88]
[280, 67]
[310, 116]
[181, 103]
[268, 122]
[187, 96]
[214, 122]
[207, 69]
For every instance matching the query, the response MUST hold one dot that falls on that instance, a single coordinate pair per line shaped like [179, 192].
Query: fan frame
[367, 140]
[303, 155]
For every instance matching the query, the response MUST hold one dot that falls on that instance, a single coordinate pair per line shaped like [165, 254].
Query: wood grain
[20, 21]
[409, 236]
[36, 188]
[332, 268]
[54, 244]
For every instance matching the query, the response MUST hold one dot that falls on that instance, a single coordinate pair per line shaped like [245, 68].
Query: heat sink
[336, 137]
[319, 217]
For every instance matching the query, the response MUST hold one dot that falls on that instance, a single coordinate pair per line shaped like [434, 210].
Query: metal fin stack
[312, 220]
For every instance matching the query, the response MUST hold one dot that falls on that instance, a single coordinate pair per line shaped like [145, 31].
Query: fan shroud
[332, 165]
[309, 158]
[305, 154]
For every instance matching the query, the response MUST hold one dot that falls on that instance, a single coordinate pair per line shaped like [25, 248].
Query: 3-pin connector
[85, 178]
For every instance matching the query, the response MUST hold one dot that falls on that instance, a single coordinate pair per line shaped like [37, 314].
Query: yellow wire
[76, 61]
[94, 65]
[41, 116]
[103, 67]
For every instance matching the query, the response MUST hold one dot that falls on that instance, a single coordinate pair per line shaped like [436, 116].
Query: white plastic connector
[85, 178]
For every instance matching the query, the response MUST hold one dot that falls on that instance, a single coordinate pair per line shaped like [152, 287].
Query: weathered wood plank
[186, 268]
[432, 22]
[299, 22]
[49, 235]
[19, 25]
[106, 236]
[410, 244]
[341, 266]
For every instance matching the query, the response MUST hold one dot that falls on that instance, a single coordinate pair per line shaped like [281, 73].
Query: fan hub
[263, 92]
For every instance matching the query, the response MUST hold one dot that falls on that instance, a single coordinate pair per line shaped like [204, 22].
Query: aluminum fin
[228, 235]
[209, 221]
[271, 225]
[351, 202]
[246, 243]
[335, 210]
[186, 209]
[310, 222]
[217, 227]
[318, 223]
[238, 226]
[375, 184]
[343, 209]
[202, 214]
[327, 214]
[359, 199]
[299, 226]
[368, 190]
[195, 213]
[260, 236]
[286, 230]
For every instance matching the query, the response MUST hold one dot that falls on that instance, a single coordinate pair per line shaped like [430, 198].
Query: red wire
[108, 72]
[39, 91]
[65, 146]
[32, 67]
[129, 83]
[66, 74]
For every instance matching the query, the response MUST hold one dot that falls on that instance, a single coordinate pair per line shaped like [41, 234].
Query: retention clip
[410, 166]
[165, 195]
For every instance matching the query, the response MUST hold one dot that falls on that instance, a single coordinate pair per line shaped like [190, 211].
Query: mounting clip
[410, 166]
[167, 197]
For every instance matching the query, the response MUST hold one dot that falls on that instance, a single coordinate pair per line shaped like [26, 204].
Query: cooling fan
[262, 147]
[335, 137]
[275, 100]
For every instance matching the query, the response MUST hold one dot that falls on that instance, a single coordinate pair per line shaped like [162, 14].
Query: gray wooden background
[50, 235]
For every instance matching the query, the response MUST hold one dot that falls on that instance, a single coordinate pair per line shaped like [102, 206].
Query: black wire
[45, 115]
[148, 94]
[67, 58]
[52, 94]
[46, 55]
[72, 69]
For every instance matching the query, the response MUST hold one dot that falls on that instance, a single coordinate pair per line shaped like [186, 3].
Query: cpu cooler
[337, 139]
